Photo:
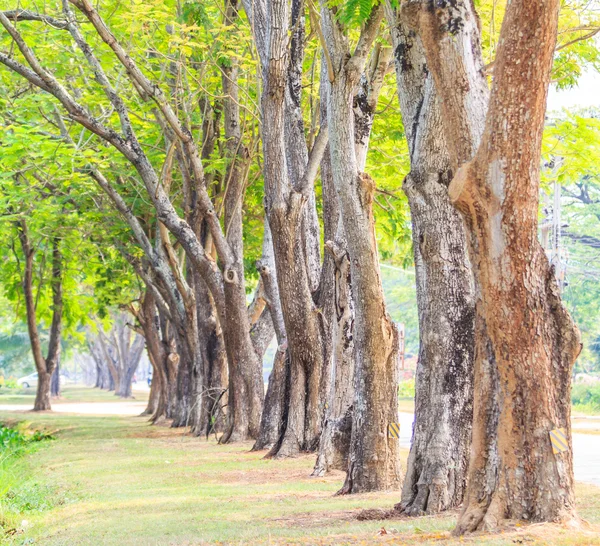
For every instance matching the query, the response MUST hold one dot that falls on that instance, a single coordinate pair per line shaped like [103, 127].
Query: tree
[497, 191]
[221, 281]
[45, 366]
[289, 174]
[373, 459]
[122, 350]
[336, 295]
[437, 464]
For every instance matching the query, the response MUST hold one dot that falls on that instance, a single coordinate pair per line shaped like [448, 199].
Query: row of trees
[150, 149]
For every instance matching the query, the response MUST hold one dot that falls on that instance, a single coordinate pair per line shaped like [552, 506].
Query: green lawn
[119, 481]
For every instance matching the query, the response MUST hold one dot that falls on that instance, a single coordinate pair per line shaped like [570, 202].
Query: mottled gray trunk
[285, 206]
[274, 411]
[374, 457]
[438, 459]
[246, 388]
[336, 296]
[337, 378]
[55, 383]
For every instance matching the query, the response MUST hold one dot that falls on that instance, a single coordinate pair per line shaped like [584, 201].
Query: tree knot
[231, 276]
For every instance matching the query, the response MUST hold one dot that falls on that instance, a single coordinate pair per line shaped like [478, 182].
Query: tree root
[432, 497]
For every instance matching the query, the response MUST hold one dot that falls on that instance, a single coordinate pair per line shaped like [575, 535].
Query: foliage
[182, 46]
[572, 157]
[15, 439]
[406, 389]
[586, 397]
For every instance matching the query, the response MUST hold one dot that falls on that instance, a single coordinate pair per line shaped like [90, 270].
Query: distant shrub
[406, 389]
[8, 383]
[13, 439]
[586, 397]
[11, 383]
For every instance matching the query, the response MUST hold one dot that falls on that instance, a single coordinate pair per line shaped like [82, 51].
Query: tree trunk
[437, 464]
[99, 381]
[285, 207]
[335, 439]
[215, 362]
[374, 456]
[497, 191]
[44, 366]
[55, 383]
[274, 414]
[157, 353]
[125, 386]
[182, 401]
[246, 387]
[42, 395]
[155, 398]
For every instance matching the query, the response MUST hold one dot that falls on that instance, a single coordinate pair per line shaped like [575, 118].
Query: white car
[30, 380]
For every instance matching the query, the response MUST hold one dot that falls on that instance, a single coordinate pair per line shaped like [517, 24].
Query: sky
[585, 94]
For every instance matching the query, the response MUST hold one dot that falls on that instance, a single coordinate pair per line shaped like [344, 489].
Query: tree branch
[18, 15]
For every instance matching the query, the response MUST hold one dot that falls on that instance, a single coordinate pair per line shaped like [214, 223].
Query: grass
[117, 480]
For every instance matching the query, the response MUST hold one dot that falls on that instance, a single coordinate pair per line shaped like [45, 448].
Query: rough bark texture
[285, 206]
[438, 459]
[335, 296]
[335, 441]
[157, 350]
[246, 388]
[497, 191]
[374, 457]
[274, 411]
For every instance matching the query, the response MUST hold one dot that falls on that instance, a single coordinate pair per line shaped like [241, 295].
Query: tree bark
[374, 456]
[246, 387]
[497, 191]
[335, 297]
[157, 353]
[55, 383]
[285, 205]
[274, 414]
[438, 459]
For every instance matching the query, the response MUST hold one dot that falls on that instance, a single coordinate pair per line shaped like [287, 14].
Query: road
[586, 450]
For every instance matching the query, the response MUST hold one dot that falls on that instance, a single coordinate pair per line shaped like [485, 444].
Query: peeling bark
[496, 189]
